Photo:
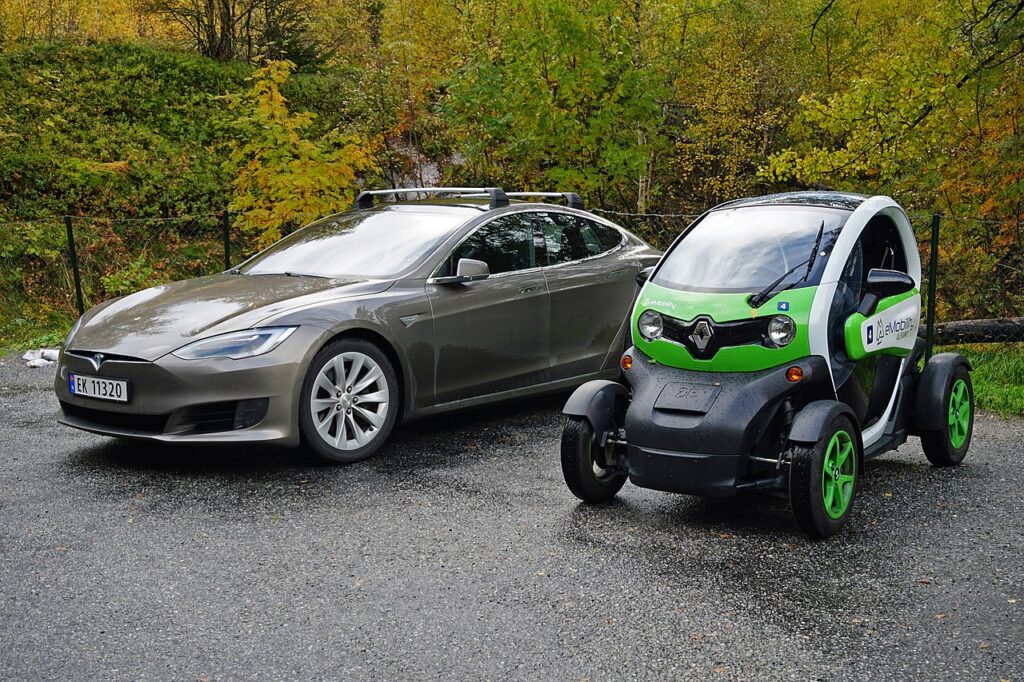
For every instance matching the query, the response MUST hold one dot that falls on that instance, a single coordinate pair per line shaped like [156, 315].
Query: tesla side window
[505, 244]
[568, 237]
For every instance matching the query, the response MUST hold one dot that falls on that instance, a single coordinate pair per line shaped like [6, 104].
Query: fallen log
[1000, 330]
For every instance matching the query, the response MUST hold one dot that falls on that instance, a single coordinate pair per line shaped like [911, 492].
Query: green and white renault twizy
[775, 348]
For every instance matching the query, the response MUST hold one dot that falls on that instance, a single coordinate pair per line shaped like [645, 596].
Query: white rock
[49, 354]
[32, 355]
[38, 362]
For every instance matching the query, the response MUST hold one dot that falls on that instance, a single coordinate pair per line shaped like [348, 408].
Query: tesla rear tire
[582, 458]
[349, 401]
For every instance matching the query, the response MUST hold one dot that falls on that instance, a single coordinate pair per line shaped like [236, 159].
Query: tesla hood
[153, 322]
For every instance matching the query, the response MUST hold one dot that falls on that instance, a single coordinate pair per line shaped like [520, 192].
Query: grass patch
[998, 375]
[24, 330]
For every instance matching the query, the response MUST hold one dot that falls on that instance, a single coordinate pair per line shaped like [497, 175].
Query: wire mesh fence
[62, 265]
[979, 270]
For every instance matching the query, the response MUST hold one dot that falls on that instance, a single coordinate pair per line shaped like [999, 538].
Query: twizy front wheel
[823, 479]
[586, 465]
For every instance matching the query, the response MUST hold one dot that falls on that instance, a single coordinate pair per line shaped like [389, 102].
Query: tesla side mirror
[883, 284]
[644, 275]
[468, 270]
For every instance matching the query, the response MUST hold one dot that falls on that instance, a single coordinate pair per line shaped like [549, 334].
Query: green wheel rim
[838, 472]
[959, 413]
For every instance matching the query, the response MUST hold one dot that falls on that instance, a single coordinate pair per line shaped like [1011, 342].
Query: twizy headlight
[236, 345]
[781, 330]
[650, 325]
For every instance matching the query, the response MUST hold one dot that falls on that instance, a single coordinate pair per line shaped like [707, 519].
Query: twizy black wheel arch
[811, 422]
[931, 401]
[601, 403]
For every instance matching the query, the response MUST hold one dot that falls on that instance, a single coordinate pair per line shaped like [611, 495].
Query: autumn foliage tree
[282, 179]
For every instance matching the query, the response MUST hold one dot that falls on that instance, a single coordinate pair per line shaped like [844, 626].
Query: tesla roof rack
[572, 200]
[498, 196]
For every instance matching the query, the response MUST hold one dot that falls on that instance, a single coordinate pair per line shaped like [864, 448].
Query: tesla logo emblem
[96, 360]
[701, 335]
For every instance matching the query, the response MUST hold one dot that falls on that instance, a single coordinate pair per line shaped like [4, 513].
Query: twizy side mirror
[883, 284]
[644, 275]
[468, 270]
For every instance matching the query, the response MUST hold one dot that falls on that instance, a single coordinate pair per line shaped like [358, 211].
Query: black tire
[311, 439]
[939, 446]
[579, 447]
[807, 487]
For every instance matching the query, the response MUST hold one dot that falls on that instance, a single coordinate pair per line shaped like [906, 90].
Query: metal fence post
[933, 264]
[74, 264]
[225, 223]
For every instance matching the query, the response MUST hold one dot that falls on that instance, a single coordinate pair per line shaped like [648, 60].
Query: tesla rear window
[374, 244]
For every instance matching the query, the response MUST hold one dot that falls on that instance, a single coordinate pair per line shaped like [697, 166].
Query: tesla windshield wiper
[757, 300]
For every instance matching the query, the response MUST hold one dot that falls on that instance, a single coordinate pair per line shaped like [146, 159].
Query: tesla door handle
[527, 290]
[615, 273]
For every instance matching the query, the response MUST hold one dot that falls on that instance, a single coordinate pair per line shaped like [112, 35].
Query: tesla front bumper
[214, 400]
[700, 433]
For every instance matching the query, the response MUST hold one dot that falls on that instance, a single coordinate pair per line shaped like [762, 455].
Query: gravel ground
[458, 552]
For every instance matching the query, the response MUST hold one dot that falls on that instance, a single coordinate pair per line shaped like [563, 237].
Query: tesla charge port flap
[687, 397]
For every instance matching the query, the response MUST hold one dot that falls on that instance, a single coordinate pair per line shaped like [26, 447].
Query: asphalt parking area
[458, 552]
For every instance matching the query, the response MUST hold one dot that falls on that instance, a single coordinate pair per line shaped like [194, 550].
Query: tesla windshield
[375, 244]
[748, 249]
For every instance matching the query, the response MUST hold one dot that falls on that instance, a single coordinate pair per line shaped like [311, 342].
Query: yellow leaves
[285, 180]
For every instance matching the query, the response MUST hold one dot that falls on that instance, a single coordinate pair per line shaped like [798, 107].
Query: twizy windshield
[747, 249]
[375, 244]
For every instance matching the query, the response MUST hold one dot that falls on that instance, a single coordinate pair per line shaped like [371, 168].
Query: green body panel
[727, 307]
[851, 329]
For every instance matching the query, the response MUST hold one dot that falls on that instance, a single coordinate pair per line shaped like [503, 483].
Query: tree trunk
[1002, 330]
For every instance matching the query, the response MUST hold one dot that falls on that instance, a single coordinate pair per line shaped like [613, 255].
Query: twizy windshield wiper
[757, 300]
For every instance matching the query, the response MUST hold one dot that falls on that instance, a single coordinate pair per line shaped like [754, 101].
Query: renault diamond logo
[96, 360]
[701, 335]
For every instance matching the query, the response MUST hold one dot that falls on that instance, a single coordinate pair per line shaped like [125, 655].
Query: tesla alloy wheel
[349, 401]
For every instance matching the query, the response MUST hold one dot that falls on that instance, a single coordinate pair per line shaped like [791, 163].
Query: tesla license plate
[98, 387]
[687, 397]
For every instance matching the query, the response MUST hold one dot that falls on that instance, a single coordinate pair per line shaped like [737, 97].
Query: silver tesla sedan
[389, 311]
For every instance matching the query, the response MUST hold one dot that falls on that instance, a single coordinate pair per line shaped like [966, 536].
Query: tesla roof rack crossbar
[572, 200]
[497, 194]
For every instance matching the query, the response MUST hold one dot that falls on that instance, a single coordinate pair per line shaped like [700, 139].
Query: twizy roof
[846, 200]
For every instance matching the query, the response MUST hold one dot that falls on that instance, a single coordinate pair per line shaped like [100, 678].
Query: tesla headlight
[650, 325]
[781, 330]
[74, 330]
[236, 345]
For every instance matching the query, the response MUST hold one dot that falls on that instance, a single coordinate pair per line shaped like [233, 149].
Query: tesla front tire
[349, 402]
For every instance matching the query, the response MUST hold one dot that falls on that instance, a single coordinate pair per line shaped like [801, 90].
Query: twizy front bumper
[712, 434]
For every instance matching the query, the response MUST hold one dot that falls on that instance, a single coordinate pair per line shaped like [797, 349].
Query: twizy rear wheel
[823, 480]
[585, 464]
[948, 447]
